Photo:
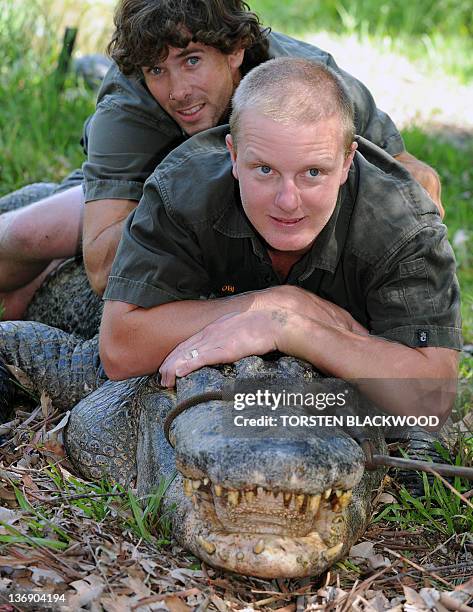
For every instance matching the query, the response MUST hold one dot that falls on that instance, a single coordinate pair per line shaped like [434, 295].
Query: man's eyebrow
[189, 51]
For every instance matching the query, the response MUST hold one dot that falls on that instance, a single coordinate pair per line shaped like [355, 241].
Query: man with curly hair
[177, 63]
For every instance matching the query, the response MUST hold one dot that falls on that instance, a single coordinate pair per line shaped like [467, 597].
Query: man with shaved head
[287, 234]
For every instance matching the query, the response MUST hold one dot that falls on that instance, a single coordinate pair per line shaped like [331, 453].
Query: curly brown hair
[145, 29]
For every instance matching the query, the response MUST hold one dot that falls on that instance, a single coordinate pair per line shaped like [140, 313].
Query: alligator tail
[65, 366]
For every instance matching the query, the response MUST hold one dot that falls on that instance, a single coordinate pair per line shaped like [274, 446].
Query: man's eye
[312, 172]
[155, 70]
[264, 169]
[193, 61]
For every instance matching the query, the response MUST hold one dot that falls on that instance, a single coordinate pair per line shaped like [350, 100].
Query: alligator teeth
[187, 486]
[249, 497]
[331, 553]
[345, 499]
[299, 501]
[259, 491]
[218, 490]
[196, 484]
[258, 547]
[209, 547]
[338, 492]
[240, 556]
[205, 481]
[314, 503]
[233, 498]
[327, 493]
[287, 498]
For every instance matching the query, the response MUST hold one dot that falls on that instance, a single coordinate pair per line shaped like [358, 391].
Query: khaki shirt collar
[327, 248]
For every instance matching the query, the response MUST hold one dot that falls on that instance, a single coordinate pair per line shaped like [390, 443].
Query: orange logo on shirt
[228, 289]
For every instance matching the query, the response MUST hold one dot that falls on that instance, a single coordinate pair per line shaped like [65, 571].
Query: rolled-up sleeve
[417, 303]
[159, 259]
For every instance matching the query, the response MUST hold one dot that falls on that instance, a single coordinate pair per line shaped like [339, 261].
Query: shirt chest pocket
[411, 291]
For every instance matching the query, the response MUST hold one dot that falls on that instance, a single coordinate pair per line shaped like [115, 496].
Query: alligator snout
[268, 493]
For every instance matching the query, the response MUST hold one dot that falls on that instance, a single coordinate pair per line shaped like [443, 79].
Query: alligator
[262, 501]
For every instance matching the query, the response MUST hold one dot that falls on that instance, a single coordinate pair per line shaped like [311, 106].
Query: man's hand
[425, 176]
[306, 304]
[229, 338]
[261, 329]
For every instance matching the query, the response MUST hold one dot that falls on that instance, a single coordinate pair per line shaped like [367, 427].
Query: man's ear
[233, 154]
[347, 162]
[235, 59]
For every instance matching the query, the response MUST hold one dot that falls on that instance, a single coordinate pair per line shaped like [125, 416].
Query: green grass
[56, 526]
[439, 510]
[40, 127]
[439, 31]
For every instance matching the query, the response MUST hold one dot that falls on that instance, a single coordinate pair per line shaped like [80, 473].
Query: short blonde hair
[296, 90]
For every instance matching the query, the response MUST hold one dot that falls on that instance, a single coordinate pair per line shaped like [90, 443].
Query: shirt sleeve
[370, 122]
[417, 300]
[126, 138]
[159, 259]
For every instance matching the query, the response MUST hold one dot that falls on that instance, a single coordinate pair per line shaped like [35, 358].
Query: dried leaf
[414, 602]
[387, 498]
[220, 604]
[175, 604]
[21, 377]
[88, 590]
[363, 550]
[183, 575]
[43, 577]
[29, 483]
[54, 447]
[137, 586]
[7, 494]
[148, 565]
[46, 405]
[120, 603]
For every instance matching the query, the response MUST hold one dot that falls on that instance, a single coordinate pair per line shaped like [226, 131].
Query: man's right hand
[306, 304]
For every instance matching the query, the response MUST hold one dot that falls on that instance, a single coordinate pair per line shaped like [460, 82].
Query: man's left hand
[229, 338]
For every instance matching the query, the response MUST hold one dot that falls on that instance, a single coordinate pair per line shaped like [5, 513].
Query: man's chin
[195, 128]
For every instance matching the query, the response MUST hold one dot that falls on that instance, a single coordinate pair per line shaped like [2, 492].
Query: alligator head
[266, 501]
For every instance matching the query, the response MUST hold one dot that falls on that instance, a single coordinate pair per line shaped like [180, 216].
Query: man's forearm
[344, 354]
[134, 341]
[103, 226]
[99, 256]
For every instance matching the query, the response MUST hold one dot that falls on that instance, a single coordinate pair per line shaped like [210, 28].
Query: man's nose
[179, 88]
[287, 198]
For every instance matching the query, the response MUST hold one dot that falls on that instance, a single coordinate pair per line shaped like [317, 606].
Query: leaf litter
[61, 536]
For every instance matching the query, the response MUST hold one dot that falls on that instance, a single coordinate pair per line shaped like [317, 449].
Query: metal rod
[444, 469]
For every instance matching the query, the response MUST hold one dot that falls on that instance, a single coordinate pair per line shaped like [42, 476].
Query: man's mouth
[190, 112]
[287, 222]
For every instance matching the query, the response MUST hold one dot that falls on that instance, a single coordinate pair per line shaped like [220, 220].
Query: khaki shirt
[130, 134]
[383, 256]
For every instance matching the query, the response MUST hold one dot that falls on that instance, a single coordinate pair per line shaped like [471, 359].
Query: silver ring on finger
[194, 353]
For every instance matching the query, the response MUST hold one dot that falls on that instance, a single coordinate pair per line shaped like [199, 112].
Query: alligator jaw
[265, 533]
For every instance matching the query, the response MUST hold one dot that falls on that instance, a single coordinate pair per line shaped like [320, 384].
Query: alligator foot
[420, 444]
[65, 366]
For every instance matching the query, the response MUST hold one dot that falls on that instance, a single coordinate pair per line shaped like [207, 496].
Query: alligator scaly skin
[65, 366]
